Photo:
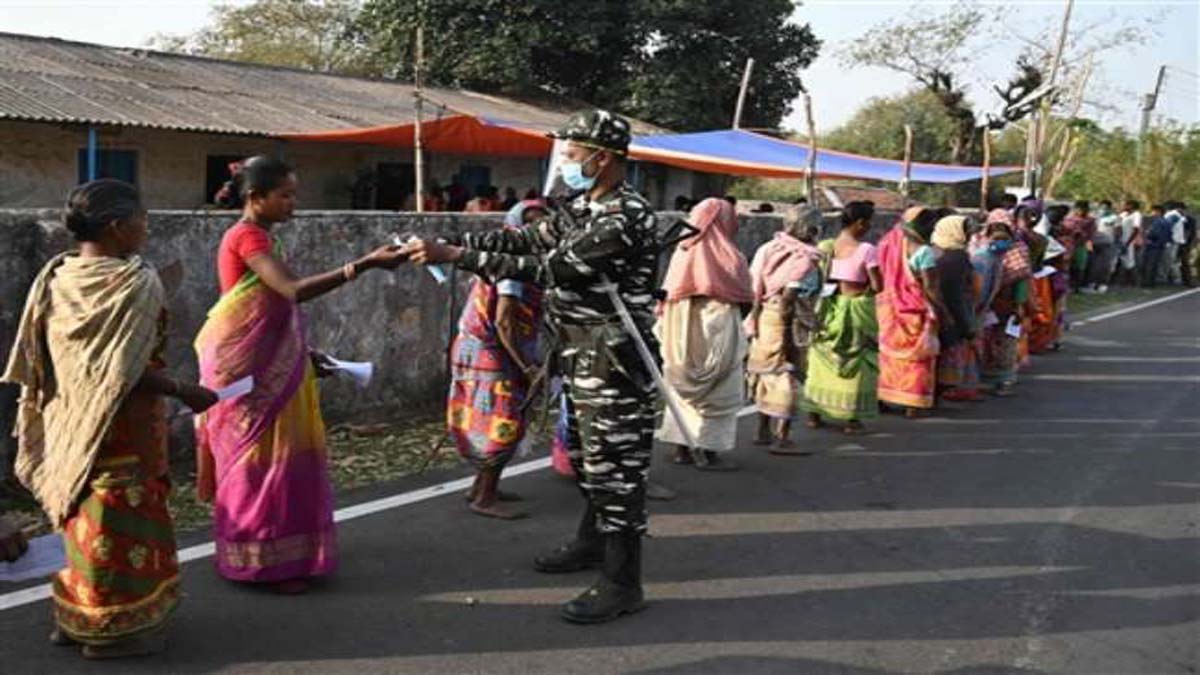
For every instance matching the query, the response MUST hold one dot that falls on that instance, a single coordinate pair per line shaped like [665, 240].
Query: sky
[838, 90]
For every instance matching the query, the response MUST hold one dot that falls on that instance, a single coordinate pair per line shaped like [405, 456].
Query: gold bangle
[349, 271]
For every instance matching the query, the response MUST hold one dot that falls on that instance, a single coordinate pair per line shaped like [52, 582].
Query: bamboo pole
[906, 180]
[985, 179]
[418, 145]
[741, 100]
[810, 172]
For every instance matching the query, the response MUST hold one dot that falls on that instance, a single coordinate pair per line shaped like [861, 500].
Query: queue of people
[456, 197]
[830, 332]
[1127, 247]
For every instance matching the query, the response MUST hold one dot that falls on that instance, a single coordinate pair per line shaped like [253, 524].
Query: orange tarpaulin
[459, 134]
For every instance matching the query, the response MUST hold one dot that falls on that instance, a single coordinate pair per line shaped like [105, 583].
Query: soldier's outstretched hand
[426, 252]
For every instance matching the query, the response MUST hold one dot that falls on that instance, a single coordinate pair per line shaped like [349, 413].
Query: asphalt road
[1052, 532]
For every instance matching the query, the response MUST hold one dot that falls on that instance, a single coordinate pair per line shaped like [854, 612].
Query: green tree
[691, 72]
[877, 129]
[675, 62]
[299, 33]
[573, 49]
[1111, 165]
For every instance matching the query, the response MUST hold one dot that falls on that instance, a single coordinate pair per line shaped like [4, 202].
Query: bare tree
[940, 51]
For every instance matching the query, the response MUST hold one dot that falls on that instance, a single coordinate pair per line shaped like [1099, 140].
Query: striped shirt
[572, 252]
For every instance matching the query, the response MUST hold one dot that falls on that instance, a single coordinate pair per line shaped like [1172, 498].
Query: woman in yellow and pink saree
[262, 456]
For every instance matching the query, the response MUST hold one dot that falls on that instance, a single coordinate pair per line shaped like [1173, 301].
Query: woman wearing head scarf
[843, 366]
[703, 343]
[786, 278]
[92, 425]
[1005, 271]
[909, 308]
[492, 367]
[957, 372]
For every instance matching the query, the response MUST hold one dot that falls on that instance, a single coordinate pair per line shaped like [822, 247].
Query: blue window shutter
[119, 164]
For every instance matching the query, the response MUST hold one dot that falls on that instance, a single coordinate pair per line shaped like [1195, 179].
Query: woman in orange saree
[1041, 324]
[908, 310]
[262, 456]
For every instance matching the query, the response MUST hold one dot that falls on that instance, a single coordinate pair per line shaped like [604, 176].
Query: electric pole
[1150, 101]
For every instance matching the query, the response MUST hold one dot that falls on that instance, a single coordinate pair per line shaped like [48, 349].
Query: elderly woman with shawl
[909, 310]
[1005, 271]
[92, 425]
[707, 286]
[786, 277]
[262, 457]
[493, 361]
[958, 371]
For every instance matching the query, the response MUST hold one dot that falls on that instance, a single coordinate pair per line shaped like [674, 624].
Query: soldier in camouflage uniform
[607, 234]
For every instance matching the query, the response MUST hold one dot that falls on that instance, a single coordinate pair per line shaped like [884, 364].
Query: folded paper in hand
[1013, 329]
[359, 371]
[438, 271]
[44, 557]
[242, 386]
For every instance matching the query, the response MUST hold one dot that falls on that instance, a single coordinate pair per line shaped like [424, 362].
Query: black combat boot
[584, 552]
[618, 590]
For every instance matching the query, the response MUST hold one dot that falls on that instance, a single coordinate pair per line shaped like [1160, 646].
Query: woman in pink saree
[908, 310]
[262, 456]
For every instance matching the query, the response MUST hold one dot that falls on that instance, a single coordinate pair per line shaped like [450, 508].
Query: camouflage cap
[598, 129]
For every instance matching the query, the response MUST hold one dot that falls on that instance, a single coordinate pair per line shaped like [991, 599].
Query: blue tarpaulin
[736, 151]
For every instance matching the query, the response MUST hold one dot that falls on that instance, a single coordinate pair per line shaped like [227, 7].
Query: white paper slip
[439, 272]
[44, 557]
[828, 290]
[990, 319]
[1013, 329]
[359, 371]
[1045, 272]
[239, 388]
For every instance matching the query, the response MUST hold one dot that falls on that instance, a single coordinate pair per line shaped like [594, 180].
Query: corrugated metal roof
[52, 80]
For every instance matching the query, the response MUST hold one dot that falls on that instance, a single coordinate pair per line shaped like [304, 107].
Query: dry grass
[359, 455]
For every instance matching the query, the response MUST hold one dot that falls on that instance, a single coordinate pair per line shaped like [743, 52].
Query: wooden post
[810, 172]
[908, 149]
[418, 145]
[985, 179]
[741, 101]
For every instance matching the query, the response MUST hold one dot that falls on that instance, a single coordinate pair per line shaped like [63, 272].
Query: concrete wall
[399, 320]
[39, 164]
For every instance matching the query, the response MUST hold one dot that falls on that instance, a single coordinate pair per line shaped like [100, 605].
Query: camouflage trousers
[610, 403]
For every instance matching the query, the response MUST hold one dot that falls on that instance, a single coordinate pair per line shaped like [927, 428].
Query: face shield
[554, 182]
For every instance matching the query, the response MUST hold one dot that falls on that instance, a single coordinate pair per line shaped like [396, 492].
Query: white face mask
[573, 176]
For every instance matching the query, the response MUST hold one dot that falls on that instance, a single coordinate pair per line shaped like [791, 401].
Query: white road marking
[1135, 308]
